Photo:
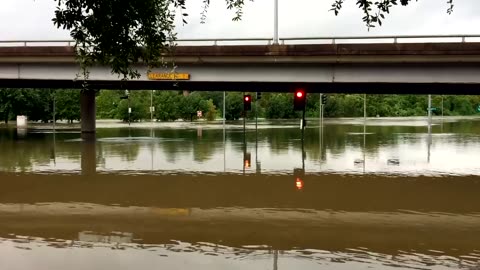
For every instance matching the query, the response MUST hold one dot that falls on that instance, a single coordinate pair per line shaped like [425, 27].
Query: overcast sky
[31, 19]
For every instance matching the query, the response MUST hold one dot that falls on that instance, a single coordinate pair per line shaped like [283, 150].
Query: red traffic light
[247, 103]
[299, 99]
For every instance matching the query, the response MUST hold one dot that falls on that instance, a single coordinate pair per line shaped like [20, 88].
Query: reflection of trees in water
[180, 141]
[19, 154]
[126, 150]
[337, 139]
[173, 142]
[205, 146]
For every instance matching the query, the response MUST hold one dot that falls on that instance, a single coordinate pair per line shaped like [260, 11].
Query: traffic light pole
[321, 110]
[303, 140]
[256, 111]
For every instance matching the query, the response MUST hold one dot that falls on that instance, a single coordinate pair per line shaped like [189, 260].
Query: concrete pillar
[88, 111]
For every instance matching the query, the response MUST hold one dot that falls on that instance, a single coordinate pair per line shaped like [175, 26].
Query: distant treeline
[37, 104]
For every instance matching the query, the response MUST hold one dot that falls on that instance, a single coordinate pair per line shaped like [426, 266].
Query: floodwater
[387, 195]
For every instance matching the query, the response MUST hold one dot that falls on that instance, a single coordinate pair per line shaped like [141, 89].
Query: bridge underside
[310, 87]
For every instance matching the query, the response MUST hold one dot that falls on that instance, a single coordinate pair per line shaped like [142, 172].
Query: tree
[374, 10]
[35, 104]
[67, 104]
[107, 103]
[166, 105]
[233, 106]
[190, 104]
[137, 100]
[123, 33]
[211, 113]
[280, 106]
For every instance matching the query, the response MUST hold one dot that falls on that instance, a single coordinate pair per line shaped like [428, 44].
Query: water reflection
[398, 147]
[388, 194]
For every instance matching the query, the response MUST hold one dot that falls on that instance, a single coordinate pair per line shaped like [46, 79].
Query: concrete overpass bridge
[382, 64]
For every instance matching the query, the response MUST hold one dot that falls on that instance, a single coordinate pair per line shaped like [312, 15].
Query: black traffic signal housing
[299, 100]
[247, 102]
[324, 99]
[259, 95]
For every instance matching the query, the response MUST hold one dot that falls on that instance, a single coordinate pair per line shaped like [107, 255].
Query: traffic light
[324, 99]
[299, 100]
[247, 103]
[259, 95]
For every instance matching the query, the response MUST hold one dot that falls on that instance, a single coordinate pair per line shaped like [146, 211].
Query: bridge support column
[88, 113]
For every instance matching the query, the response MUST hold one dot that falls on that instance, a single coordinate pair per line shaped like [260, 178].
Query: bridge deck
[366, 68]
[245, 51]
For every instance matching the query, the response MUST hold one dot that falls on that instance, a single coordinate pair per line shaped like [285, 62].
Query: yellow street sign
[168, 76]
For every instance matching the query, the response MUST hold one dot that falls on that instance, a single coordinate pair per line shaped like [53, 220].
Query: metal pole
[256, 111]
[442, 107]
[224, 136]
[151, 106]
[275, 22]
[320, 129]
[54, 139]
[303, 123]
[429, 125]
[256, 151]
[224, 110]
[244, 116]
[442, 113]
[429, 113]
[321, 110]
[153, 145]
[303, 142]
[364, 128]
[54, 109]
[364, 107]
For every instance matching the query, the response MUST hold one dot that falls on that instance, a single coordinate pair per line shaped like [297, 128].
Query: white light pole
[275, 22]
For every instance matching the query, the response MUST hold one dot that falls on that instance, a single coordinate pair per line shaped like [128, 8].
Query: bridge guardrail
[389, 39]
